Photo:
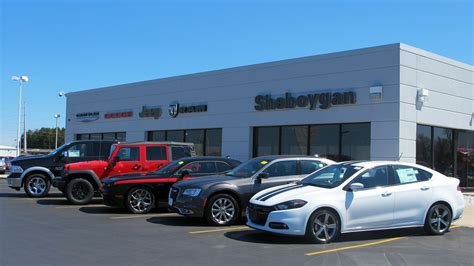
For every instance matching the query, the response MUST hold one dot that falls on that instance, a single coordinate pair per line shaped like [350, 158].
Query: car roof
[275, 157]
[371, 164]
[158, 142]
[206, 158]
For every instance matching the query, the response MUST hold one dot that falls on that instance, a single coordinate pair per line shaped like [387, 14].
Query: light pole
[21, 79]
[57, 116]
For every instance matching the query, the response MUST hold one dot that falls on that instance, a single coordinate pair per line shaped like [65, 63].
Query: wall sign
[175, 109]
[113, 115]
[87, 116]
[154, 112]
[312, 101]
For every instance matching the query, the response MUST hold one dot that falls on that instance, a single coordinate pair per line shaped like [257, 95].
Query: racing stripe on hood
[279, 191]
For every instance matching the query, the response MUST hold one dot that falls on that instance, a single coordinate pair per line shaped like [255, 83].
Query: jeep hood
[86, 165]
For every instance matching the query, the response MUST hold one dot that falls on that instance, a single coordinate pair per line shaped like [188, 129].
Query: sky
[76, 45]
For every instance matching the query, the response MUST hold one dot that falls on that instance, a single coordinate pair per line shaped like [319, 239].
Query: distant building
[7, 151]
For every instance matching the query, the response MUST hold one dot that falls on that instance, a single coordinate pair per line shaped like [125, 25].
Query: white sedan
[359, 196]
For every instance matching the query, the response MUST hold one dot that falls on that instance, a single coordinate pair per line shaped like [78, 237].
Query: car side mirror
[258, 179]
[356, 186]
[185, 172]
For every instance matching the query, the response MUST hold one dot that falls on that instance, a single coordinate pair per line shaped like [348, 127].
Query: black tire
[438, 219]
[37, 185]
[322, 230]
[222, 217]
[140, 200]
[79, 191]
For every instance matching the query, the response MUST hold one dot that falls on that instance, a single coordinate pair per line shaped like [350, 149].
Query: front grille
[174, 193]
[258, 214]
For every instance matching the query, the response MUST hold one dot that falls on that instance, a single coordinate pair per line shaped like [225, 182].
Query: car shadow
[184, 221]
[23, 195]
[63, 201]
[255, 236]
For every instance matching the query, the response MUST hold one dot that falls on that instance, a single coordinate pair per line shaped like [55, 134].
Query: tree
[43, 138]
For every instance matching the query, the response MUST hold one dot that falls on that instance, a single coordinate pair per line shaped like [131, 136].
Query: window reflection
[355, 142]
[294, 140]
[267, 140]
[423, 145]
[324, 141]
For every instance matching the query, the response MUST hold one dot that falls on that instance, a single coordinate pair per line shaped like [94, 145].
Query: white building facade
[391, 102]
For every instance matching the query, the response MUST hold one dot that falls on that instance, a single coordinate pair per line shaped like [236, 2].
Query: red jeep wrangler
[79, 181]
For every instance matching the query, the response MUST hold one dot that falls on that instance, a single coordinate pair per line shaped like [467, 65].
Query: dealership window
[294, 140]
[448, 151]
[355, 142]
[324, 141]
[337, 142]
[120, 136]
[206, 141]
[423, 145]
[268, 139]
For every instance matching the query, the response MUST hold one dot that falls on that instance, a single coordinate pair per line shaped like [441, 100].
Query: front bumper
[14, 180]
[188, 206]
[111, 198]
[295, 219]
[59, 183]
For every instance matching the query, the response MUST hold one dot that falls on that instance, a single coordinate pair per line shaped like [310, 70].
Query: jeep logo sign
[154, 112]
[312, 101]
[176, 109]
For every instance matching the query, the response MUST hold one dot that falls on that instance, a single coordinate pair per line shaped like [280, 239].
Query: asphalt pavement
[49, 231]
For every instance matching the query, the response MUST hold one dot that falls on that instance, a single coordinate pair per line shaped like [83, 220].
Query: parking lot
[50, 231]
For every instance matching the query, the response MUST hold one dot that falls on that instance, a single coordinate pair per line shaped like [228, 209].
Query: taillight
[459, 188]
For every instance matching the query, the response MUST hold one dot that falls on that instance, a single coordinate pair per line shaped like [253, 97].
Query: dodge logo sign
[173, 111]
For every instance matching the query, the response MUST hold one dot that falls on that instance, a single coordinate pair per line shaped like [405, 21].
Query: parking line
[220, 230]
[79, 206]
[364, 245]
[355, 246]
[142, 216]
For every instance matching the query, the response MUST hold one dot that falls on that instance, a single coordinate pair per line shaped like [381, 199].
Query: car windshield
[170, 168]
[249, 168]
[58, 149]
[331, 176]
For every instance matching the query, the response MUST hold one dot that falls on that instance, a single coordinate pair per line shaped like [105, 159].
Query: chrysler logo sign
[176, 109]
[87, 116]
[311, 101]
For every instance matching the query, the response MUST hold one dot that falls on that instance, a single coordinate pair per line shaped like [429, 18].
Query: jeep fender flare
[38, 169]
[88, 173]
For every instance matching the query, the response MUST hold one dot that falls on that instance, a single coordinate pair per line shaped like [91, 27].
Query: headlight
[193, 192]
[292, 204]
[16, 169]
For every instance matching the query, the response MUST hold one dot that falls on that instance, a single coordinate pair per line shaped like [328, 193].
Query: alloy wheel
[140, 200]
[80, 191]
[222, 210]
[440, 219]
[325, 227]
[36, 186]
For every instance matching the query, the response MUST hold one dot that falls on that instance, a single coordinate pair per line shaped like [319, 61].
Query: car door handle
[424, 188]
[386, 194]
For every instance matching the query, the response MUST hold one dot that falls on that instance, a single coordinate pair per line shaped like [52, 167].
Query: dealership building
[391, 102]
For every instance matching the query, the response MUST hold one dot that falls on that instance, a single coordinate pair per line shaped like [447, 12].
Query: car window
[201, 168]
[223, 167]
[283, 168]
[309, 166]
[180, 152]
[77, 151]
[129, 154]
[375, 177]
[407, 174]
[155, 153]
